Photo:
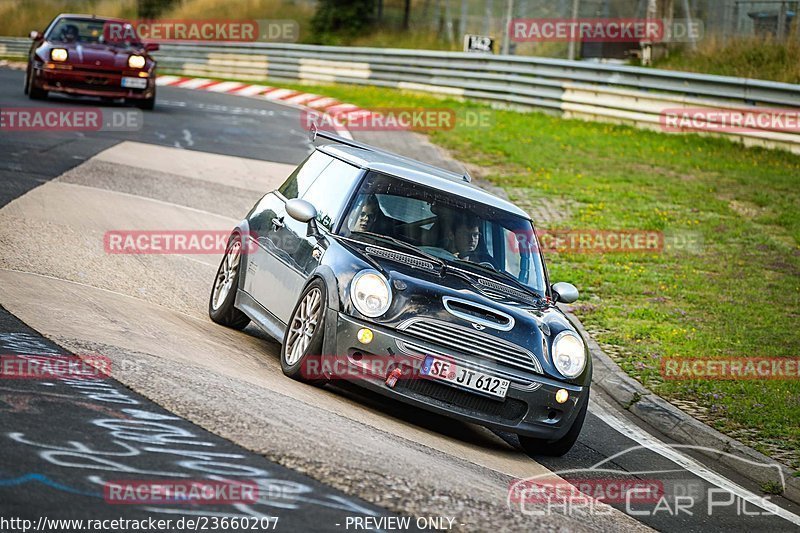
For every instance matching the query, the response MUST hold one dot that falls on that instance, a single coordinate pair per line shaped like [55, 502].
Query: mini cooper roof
[368, 157]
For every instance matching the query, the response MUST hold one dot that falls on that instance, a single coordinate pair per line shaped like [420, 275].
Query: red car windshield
[93, 31]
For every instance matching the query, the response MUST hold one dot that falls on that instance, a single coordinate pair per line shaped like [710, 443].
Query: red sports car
[89, 55]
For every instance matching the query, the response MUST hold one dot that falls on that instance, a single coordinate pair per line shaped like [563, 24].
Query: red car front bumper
[92, 82]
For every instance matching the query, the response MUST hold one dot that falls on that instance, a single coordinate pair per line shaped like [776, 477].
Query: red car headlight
[136, 61]
[58, 54]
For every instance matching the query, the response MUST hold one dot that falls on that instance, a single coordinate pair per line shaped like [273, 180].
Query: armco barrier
[588, 90]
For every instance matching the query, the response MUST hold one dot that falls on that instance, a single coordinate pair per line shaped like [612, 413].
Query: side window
[304, 175]
[331, 190]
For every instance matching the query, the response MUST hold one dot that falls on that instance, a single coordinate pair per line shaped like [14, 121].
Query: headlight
[58, 54]
[370, 293]
[569, 354]
[136, 61]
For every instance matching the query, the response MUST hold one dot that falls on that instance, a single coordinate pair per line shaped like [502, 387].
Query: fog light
[364, 336]
[562, 396]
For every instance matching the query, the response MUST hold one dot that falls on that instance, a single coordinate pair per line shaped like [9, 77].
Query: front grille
[397, 257]
[471, 342]
[465, 402]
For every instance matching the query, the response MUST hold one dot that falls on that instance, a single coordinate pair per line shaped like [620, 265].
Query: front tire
[148, 104]
[33, 92]
[556, 448]
[223, 293]
[305, 332]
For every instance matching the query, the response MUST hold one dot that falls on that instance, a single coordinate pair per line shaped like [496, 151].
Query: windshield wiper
[505, 275]
[408, 246]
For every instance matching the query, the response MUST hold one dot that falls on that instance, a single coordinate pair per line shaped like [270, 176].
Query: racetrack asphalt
[147, 314]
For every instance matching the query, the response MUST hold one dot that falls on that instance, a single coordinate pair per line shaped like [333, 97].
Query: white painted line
[693, 466]
[251, 90]
[224, 86]
[194, 83]
[278, 94]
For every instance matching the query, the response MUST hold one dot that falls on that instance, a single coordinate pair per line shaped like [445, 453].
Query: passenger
[370, 217]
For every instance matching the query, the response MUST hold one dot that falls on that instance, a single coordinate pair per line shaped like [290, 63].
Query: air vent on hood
[500, 291]
[478, 314]
[398, 257]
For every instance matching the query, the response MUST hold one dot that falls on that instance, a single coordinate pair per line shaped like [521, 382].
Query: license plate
[464, 377]
[134, 83]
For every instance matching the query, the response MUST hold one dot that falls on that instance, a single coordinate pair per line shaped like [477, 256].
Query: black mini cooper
[412, 282]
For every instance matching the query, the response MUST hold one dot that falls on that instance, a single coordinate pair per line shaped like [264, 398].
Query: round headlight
[569, 354]
[58, 54]
[370, 293]
[136, 61]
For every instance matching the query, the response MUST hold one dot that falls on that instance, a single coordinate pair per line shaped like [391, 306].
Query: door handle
[277, 223]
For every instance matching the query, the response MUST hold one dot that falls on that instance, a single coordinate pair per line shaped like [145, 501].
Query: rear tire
[223, 293]
[556, 448]
[305, 333]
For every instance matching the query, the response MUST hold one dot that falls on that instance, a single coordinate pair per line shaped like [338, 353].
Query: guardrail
[594, 91]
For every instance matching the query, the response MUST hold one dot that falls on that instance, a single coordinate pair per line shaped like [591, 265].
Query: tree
[337, 21]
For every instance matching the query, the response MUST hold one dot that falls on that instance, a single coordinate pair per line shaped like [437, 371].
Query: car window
[330, 191]
[304, 175]
[69, 30]
[448, 226]
[404, 209]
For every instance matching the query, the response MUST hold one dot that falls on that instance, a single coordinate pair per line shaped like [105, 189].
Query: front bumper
[107, 84]
[529, 409]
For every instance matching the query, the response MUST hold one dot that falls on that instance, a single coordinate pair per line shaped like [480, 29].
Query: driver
[70, 33]
[467, 239]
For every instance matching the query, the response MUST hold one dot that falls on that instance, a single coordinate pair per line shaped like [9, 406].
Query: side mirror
[35, 35]
[564, 292]
[303, 211]
[152, 47]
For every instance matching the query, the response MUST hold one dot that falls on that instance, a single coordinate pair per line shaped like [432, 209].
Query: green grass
[757, 58]
[735, 294]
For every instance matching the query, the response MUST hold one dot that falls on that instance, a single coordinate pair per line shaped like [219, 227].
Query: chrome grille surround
[470, 342]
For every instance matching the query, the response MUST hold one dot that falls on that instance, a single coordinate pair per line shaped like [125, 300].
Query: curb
[314, 103]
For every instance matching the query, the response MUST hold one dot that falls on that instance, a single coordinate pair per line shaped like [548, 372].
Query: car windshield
[450, 227]
[93, 31]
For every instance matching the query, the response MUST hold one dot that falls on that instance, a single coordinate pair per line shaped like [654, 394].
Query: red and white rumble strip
[287, 96]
